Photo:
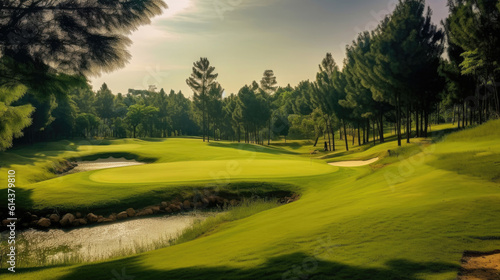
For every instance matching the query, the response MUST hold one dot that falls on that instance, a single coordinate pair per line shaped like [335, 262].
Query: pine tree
[201, 80]
[73, 36]
[268, 84]
[323, 94]
[14, 118]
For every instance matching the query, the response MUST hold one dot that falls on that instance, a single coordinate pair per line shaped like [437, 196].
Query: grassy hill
[409, 216]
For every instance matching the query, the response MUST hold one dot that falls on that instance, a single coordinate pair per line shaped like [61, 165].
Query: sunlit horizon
[243, 40]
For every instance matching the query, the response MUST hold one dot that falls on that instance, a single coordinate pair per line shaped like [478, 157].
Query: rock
[43, 222]
[33, 223]
[100, 219]
[168, 209]
[34, 217]
[186, 204]
[164, 204]
[76, 222]
[198, 205]
[155, 209]
[91, 218]
[104, 220]
[5, 222]
[78, 215]
[67, 219]
[82, 221]
[122, 215]
[175, 208]
[148, 211]
[112, 217]
[130, 212]
[212, 199]
[54, 218]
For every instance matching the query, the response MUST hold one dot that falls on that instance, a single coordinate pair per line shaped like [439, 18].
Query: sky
[243, 38]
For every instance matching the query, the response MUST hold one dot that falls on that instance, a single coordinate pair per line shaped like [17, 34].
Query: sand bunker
[102, 163]
[354, 163]
[480, 266]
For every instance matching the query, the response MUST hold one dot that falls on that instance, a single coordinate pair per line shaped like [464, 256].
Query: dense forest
[405, 75]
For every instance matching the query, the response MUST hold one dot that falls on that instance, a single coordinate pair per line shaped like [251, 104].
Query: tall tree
[268, 84]
[201, 80]
[214, 107]
[324, 92]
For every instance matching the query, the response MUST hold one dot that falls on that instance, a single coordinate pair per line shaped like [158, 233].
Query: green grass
[181, 166]
[410, 216]
[211, 224]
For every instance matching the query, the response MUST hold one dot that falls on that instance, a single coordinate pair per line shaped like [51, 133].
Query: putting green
[219, 170]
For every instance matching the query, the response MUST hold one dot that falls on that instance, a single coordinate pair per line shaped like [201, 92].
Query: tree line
[402, 76]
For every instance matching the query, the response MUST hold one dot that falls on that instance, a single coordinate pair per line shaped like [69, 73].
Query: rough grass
[211, 224]
[407, 219]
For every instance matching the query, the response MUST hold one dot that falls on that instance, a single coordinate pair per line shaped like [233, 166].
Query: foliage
[14, 118]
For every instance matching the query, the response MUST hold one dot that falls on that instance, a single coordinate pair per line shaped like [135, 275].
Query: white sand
[354, 163]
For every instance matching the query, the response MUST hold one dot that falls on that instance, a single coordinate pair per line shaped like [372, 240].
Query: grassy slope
[410, 219]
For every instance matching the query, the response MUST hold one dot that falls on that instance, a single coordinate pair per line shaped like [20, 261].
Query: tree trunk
[374, 143]
[398, 117]
[364, 133]
[417, 123]
[367, 130]
[426, 123]
[408, 124]
[315, 142]
[329, 139]
[454, 112]
[463, 115]
[269, 136]
[382, 139]
[333, 135]
[345, 137]
[239, 133]
[359, 135]
[208, 130]
[422, 121]
[353, 136]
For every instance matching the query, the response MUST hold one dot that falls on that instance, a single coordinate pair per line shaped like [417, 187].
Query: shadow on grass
[292, 266]
[252, 148]
[24, 199]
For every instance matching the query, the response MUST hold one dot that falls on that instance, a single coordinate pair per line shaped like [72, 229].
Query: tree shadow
[294, 266]
[253, 148]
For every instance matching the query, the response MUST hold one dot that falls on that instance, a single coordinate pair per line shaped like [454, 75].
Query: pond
[103, 241]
